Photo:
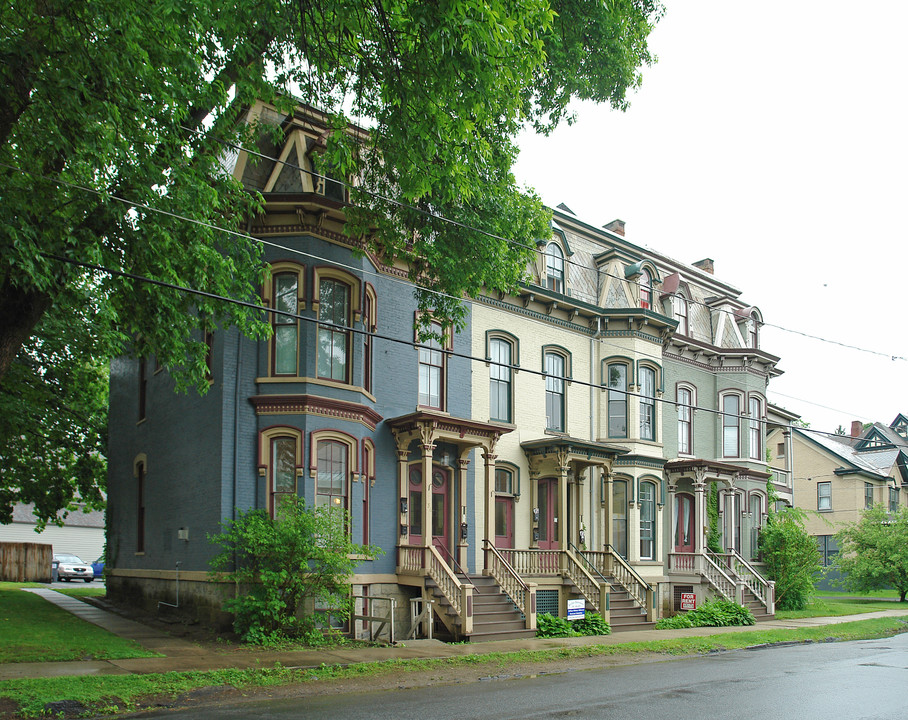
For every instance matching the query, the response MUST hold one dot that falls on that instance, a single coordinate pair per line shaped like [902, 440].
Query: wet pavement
[182, 655]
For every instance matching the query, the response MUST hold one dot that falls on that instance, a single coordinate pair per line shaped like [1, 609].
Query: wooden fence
[25, 562]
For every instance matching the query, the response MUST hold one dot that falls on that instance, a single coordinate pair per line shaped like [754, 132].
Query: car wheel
[88, 579]
[65, 579]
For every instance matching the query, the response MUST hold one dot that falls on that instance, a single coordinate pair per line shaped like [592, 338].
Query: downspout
[236, 421]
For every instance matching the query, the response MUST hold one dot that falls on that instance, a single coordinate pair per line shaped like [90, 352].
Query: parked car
[97, 567]
[71, 567]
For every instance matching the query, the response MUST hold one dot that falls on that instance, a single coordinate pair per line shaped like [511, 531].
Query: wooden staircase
[752, 602]
[624, 612]
[494, 615]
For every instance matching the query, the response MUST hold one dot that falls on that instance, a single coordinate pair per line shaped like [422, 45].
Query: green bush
[290, 567]
[549, 626]
[592, 624]
[713, 613]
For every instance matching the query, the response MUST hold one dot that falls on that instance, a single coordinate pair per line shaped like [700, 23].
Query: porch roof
[448, 427]
[712, 468]
[588, 449]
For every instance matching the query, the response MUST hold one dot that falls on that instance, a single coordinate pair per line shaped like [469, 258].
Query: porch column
[700, 516]
[461, 514]
[403, 491]
[427, 448]
[561, 517]
[488, 505]
[606, 505]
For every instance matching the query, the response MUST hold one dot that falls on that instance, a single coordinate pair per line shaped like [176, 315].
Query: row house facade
[565, 445]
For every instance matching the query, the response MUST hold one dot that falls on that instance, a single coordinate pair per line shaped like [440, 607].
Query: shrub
[549, 626]
[592, 624]
[713, 613]
[290, 565]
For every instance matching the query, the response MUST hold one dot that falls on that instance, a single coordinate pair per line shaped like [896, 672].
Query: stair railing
[595, 592]
[743, 571]
[521, 593]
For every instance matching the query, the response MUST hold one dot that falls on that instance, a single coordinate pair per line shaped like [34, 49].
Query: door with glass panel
[547, 499]
[684, 523]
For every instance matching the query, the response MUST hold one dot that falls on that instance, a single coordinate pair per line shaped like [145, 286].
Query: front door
[684, 523]
[548, 513]
[504, 522]
[441, 526]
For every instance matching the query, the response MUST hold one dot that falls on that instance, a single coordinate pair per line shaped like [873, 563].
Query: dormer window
[681, 314]
[554, 268]
[646, 289]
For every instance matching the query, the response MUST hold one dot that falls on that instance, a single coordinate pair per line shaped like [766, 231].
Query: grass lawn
[121, 693]
[842, 605]
[87, 591]
[34, 630]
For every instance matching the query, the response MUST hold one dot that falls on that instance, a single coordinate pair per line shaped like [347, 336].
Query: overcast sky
[770, 137]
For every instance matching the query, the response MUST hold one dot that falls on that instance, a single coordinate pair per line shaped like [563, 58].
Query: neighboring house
[570, 458]
[82, 533]
[837, 476]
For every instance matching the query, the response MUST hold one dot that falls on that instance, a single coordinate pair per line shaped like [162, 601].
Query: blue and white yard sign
[576, 609]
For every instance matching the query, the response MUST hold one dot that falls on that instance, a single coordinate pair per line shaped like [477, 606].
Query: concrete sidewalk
[182, 656]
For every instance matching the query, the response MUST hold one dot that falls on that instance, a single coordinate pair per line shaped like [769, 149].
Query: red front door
[504, 522]
[684, 523]
[548, 513]
[441, 526]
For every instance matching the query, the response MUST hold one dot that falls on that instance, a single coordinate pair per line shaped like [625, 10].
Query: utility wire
[380, 336]
[457, 223]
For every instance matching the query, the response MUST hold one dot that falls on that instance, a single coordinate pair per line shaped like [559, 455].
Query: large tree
[114, 117]
[873, 552]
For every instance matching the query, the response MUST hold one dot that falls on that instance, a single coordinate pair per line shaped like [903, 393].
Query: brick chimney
[706, 265]
[615, 226]
[857, 427]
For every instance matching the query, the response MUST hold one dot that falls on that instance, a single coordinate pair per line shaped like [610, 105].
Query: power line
[456, 223]
[449, 353]
[657, 358]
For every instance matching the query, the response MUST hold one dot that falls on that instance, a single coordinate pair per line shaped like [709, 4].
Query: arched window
[616, 381]
[500, 391]
[280, 453]
[284, 295]
[647, 521]
[369, 325]
[333, 339]
[646, 289]
[731, 412]
[554, 267]
[681, 314]
[755, 423]
[647, 382]
[685, 400]
[554, 392]
[332, 473]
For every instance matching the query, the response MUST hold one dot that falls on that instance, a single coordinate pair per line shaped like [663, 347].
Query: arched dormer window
[554, 267]
[646, 289]
[681, 314]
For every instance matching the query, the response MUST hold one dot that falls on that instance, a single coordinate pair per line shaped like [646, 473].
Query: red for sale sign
[688, 601]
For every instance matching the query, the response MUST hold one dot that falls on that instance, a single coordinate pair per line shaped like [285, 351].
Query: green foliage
[551, 626]
[592, 624]
[716, 612]
[288, 568]
[791, 556]
[713, 532]
[114, 122]
[873, 552]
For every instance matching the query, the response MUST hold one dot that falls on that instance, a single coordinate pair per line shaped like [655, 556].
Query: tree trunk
[20, 311]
